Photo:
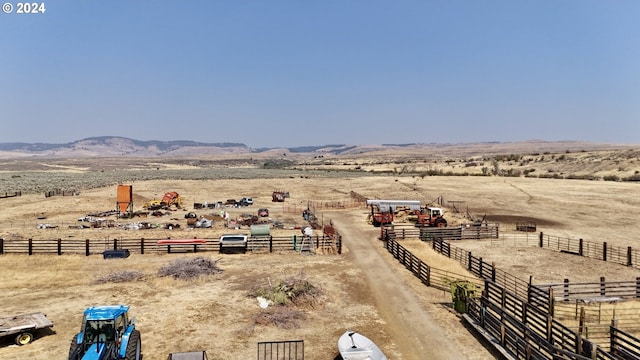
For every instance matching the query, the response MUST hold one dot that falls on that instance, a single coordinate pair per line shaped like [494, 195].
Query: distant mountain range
[122, 146]
[107, 146]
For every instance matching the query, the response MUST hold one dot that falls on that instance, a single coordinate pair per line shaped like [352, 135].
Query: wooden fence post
[541, 239]
[115, 244]
[566, 290]
[142, 246]
[1, 246]
[30, 246]
[638, 287]
[603, 286]
[613, 327]
[604, 251]
[86, 247]
[469, 262]
[271, 244]
[629, 258]
[428, 274]
[552, 306]
[339, 244]
[580, 247]
[493, 271]
[481, 263]
[59, 247]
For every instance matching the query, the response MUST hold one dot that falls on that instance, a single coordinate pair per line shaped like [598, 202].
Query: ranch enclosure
[207, 320]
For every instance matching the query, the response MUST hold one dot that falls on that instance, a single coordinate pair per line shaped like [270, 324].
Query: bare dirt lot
[363, 289]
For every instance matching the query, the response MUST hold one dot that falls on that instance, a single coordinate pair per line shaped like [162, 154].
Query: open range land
[364, 288]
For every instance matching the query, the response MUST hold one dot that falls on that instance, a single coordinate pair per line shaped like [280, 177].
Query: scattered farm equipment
[170, 199]
[278, 196]
[382, 211]
[23, 326]
[461, 291]
[430, 216]
[107, 333]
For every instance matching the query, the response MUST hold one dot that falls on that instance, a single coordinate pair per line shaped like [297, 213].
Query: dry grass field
[216, 313]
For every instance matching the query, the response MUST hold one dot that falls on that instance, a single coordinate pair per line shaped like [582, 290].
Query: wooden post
[566, 290]
[579, 344]
[493, 271]
[30, 246]
[59, 247]
[581, 321]
[271, 244]
[481, 266]
[638, 288]
[604, 251]
[529, 289]
[470, 260]
[86, 247]
[603, 286]
[429, 275]
[339, 243]
[115, 244]
[612, 335]
[1, 246]
[552, 308]
[549, 327]
[142, 246]
[629, 258]
[541, 239]
[580, 247]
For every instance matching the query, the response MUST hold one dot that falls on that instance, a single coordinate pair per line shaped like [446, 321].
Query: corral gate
[277, 350]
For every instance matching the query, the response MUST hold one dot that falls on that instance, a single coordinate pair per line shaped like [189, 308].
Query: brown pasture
[215, 314]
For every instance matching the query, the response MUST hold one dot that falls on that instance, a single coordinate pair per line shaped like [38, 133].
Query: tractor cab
[98, 331]
[106, 333]
[433, 211]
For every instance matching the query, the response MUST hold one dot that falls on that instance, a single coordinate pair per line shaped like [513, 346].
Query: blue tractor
[107, 333]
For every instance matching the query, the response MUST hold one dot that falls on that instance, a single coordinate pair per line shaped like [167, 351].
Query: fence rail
[523, 327]
[626, 256]
[8, 195]
[437, 278]
[276, 350]
[89, 247]
[463, 232]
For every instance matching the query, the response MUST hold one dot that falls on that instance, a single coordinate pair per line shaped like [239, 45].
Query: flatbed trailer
[23, 326]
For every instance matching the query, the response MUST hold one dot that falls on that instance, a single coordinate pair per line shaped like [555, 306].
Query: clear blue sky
[294, 73]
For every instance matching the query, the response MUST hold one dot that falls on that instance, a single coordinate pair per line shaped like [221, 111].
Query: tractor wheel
[74, 349]
[23, 338]
[134, 347]
[441, 222]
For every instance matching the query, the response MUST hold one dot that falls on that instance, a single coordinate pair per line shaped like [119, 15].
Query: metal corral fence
[528, 332]
[437, 278]
[522, 327]
[425, 233]
[317, 206]
[89, 247]
[276, 350]
[626, 256]
[476, 265]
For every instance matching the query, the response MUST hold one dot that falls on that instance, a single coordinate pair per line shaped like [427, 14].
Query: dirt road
[412, 329]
